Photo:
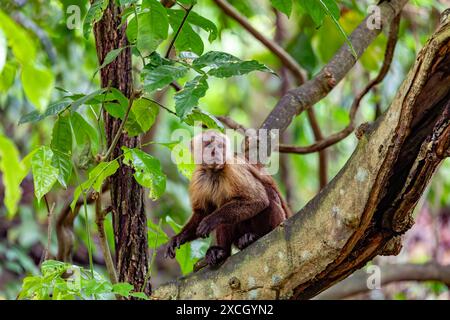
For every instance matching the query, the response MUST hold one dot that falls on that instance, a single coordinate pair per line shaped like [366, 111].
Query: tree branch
[285, 57]
[361, 212]
[335, 138]
[299, 99]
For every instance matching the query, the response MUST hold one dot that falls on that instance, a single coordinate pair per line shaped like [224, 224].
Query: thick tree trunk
[127, 196]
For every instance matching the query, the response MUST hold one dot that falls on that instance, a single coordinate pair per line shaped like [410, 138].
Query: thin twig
[303, 97]
[160, 105]
[188, 10]
[285, 57]
[336, 137]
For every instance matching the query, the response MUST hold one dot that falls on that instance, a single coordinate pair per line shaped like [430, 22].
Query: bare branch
[299, 99]
[285, 57]
[336, 137]
[390, 273]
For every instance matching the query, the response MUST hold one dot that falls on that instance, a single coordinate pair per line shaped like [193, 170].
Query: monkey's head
[211, 149]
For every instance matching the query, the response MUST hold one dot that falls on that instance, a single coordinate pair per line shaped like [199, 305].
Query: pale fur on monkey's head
[211, 149]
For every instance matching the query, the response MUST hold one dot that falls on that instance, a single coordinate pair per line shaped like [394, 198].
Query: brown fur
[236, 200]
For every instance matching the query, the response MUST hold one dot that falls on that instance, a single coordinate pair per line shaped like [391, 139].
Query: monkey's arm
[188, 233]
[232, 213]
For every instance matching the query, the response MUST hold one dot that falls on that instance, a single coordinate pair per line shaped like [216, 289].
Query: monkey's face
[211, 149]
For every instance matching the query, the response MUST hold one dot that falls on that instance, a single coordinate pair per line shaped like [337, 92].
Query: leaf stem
[188, 10]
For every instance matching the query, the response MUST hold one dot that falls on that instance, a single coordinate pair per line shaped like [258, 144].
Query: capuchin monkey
[228, 195]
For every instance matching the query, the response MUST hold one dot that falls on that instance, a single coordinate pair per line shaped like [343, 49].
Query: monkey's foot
[246, 240]
[215, 255]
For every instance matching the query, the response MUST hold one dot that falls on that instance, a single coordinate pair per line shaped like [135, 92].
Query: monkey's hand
[207, 225]
[173, 244]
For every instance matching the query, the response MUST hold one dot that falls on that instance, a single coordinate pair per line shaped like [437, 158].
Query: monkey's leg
[217, 254]
[188, 233]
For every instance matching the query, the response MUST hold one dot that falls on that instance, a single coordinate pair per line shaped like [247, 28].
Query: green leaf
[175, 226]
[302, 51]
[183, 254]
[83, 131]
[284, 6]
[123, 289]
[188, 39]
[187, 99]
[13, 173]
[182, 157]
[207, 119]
[238, 68]
[61, 146]
[333, 11]
[207, 25]
[44, 174]
[142, 117]
[20, 41]
[96, 178]
[63, 162]
[37, 84]
[214, 59]
[93, 97]
[51, 110]
[155, 60]
[162, 76]
[223, 65]
[110, 57]
[148, 171]
[62, 135]
[139, 295]
[315, 11]
[94, 14]
[153, 26]
[184, 259]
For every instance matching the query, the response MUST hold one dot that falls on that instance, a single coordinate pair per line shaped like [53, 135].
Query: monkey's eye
[207, 143]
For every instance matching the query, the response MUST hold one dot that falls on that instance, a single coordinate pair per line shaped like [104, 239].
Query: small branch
[323, 156]
[172, 43]
[25, 22]
[99, 220]
[230, 123]
[357, 283]
[299, 99]
[335, 138]
[285, 57]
